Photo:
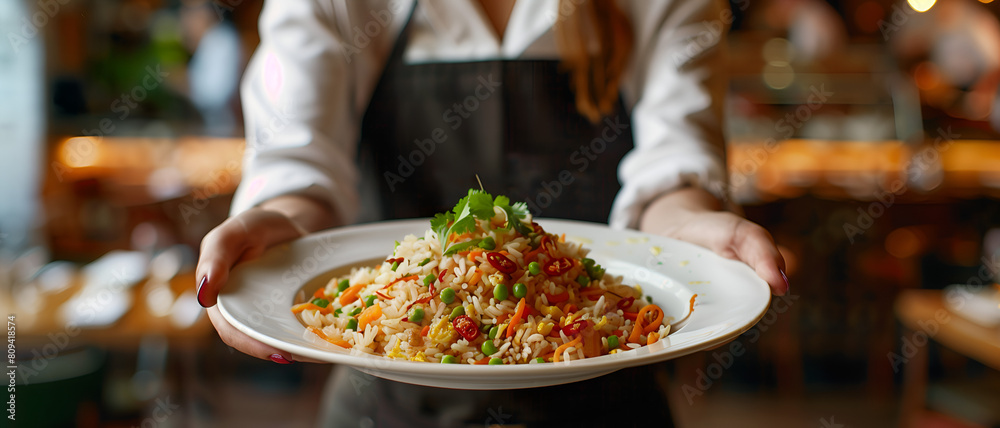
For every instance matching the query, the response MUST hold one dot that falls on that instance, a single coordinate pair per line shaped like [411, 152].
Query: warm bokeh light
[79, 152]
[921, 5]
[778, 76]
[986, 1]
[778, 51]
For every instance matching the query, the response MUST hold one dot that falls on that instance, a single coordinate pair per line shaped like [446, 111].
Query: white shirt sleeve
[304, 95]
[676, 86]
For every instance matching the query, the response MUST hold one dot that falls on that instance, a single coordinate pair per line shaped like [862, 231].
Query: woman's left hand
[694, 215]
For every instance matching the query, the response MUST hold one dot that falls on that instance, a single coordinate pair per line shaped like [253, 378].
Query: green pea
[343, 285]
[320, 302]
[496, 361]
[520, 290]
[455, 313]
[416, 315]
[429, 279]
[352, 324]
[447, 296]
[493, 332]
[539, 360]
[449, 359]
[534, 268]
[649, 299]
[583, 280]
[425, 261]
[488, 243]
[588, 262]
[612, 342]
[354, 312]
[370, 300]
[489, 348]
[395, 265]
[500, 292]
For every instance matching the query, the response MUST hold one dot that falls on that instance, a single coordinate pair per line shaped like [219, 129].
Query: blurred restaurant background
[864, 134]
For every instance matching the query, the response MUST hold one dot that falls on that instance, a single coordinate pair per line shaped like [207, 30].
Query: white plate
[731, 299]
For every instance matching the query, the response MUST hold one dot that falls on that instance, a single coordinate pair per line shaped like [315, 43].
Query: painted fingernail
[788, 288]
[201, 288]
[278, 358]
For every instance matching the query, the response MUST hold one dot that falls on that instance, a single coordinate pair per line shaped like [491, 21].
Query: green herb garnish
[476, 205]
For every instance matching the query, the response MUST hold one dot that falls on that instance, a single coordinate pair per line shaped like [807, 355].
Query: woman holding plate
[546, 101]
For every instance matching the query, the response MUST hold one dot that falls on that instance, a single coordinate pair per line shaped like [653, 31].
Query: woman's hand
[246, 236]
[694, 215]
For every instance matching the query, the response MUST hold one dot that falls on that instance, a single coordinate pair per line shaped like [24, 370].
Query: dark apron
[429, 130]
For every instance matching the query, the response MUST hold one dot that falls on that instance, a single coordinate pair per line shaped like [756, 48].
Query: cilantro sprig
[476, 205]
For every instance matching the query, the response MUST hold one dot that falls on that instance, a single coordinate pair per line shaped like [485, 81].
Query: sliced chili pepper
[501, 262]
[557, 298]
[626, 303]
[558, 266]
[395, 260]
[466, 327]
[575, 328]
[442, 274]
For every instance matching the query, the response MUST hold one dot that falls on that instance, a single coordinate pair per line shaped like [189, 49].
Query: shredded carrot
[482, 361]
[474, 254]
[562, 238]
[320, 292]
[636, 334]
[318, 332]
[564, 347]
[306, 306]
[475, 277]
[515, 320]
[692, 302]
[425, 330]
[652, 338]
[657, 317]
[630, 315]
[368, 316]
[547, 356]
[531, 255]
[504, 252]
[351, 294]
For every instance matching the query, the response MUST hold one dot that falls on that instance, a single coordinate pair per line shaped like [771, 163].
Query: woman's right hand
[246, 236]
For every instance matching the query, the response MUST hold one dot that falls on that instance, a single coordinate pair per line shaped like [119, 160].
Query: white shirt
[306, 88]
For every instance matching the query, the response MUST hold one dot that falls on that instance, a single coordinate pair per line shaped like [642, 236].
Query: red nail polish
[201, 287]
[280, 359]
[788, 288]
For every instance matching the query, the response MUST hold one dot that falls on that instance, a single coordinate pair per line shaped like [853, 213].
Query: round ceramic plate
[730, 299]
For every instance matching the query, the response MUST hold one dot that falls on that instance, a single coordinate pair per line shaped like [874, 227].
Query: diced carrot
[474, 254]
[515, 320]
[369, 315]
[564, 347]
[475, 277]
[425, 330]
[482, 361]
[652, 338]
[350, 294]
[320, 292]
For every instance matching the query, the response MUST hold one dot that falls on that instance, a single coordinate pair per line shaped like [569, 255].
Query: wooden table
[926, 318]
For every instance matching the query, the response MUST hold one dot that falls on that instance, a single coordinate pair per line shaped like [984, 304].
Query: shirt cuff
[646, 186]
